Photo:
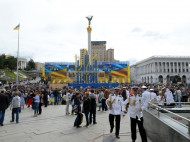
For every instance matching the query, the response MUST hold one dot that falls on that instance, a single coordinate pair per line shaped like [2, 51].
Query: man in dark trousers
[4, 104]
[45, 97]
[78, 104]
[115, 106]
[137, 104]
[93, 107]
[56, 93]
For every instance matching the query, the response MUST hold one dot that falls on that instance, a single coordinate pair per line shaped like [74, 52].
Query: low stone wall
[159, 131]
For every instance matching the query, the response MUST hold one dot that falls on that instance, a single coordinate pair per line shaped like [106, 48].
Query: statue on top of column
[89, 19]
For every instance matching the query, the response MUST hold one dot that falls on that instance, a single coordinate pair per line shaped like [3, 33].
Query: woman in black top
[86, 108]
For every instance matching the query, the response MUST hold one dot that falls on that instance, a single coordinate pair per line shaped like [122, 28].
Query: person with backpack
[77, 110]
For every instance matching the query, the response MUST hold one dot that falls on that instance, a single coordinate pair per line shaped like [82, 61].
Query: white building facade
[162, 69]
[22, 62]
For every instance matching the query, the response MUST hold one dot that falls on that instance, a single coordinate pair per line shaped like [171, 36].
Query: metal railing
[174, 106]
[158, 108]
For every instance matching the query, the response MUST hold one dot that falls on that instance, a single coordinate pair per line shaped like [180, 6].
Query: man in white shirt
[127, 92]
[169, 96]
[115, 106]
[161, 98]
[136, 105]
[152, 95]
[145, 96]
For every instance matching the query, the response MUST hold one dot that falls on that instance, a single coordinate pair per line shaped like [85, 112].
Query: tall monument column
[89, 29]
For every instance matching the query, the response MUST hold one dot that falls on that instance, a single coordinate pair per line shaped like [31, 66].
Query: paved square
[54, 126]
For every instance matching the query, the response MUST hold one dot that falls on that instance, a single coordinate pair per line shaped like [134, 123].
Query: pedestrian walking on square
[4, 104]
[115, 106]
[93, 106]
[103, 100]
[77, 103]
[45, 97]
[73, 103]
[86, 108]
[137, 104]
[56, 93]
[41, 103]
[15, 105]
[68, 101]
[22, 103]
[178, 96]
[36, 103]
[30, 98]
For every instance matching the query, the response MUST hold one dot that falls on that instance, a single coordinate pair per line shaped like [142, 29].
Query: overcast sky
[55, 30]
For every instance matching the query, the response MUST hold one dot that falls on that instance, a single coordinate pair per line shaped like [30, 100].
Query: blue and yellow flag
[17, 27]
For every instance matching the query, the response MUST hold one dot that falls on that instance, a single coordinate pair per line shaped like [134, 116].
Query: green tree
[28, 68]
[31, 65]
[11, 63]
[2, 61]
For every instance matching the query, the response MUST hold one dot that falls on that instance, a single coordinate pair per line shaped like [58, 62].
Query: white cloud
[55, 30]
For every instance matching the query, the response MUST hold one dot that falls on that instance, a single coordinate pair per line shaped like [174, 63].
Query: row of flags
[17, 27]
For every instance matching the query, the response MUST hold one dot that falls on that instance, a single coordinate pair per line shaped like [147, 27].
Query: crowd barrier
[95, 85]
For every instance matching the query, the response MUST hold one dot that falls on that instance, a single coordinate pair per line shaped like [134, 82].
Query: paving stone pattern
[54, 126]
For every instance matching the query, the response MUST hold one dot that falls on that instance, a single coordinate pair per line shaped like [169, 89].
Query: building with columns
[162, 69]
[22, 62]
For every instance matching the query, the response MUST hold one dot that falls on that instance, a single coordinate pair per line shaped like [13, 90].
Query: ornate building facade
[162, 69]
[22, 62]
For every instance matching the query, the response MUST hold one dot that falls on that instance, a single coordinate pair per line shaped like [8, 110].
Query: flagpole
[17, 60]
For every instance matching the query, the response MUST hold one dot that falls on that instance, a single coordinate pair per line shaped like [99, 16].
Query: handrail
[169, 112]
[177, 102]
[173, 114]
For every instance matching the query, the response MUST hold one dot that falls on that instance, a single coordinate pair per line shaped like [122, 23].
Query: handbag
[75, 108]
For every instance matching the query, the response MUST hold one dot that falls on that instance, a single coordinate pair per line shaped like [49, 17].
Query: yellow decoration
[89, 29]
[75, 62]
[101, 79]
[123, 79]
[43, 73]
[134, 102]
[128, 71]
[106, 80]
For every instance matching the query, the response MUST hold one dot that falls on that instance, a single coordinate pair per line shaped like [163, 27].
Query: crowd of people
[119, 101]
